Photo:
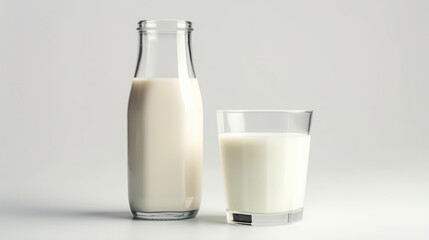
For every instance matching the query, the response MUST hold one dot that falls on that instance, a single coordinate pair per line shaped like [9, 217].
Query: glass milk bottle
[165, 125]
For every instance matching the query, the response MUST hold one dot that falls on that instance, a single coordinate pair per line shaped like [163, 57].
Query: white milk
[165, 137]
[264, 172]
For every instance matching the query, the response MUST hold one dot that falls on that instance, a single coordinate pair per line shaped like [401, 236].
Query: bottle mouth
[164, 24]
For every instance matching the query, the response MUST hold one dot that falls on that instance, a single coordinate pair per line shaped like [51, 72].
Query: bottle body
[165, 136]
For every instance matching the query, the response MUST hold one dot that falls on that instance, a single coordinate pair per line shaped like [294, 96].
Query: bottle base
[255, 219]
[164, 216]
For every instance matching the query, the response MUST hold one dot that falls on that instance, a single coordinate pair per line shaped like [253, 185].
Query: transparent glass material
[264, 157]
[164, 49]
[164, 125]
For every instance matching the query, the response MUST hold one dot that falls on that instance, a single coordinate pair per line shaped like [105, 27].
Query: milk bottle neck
[164, 49]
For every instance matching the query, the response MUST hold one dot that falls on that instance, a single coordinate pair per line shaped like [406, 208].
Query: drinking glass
[264, 157]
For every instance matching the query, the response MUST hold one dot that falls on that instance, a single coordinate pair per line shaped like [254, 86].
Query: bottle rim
[164, 24]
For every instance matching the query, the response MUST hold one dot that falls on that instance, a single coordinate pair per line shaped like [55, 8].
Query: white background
[363, 66]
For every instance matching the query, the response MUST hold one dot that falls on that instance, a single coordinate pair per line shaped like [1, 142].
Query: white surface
[356, 204]
[65, 76]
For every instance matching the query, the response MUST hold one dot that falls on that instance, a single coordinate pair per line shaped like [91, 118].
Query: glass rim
[164, 24]
[265, 111]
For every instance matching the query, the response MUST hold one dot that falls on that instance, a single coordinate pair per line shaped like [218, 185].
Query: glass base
[164, 216]
[258, 219]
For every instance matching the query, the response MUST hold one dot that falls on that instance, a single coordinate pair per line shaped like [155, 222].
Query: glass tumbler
[264, 157]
